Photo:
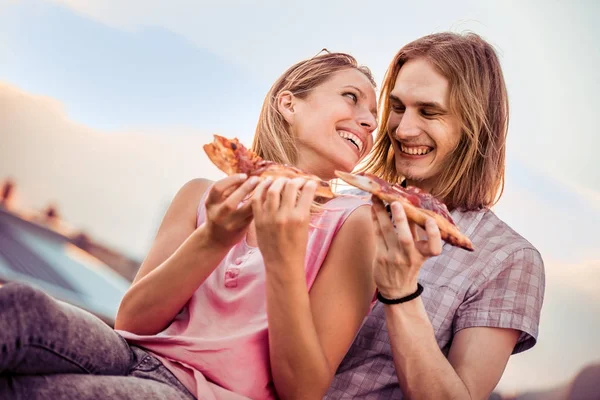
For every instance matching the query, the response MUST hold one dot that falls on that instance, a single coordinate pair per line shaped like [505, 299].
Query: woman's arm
[309, 334]
[183, 256]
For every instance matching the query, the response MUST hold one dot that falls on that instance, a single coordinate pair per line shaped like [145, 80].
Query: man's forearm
[422, 369]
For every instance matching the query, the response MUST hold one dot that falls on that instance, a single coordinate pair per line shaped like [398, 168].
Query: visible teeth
[415, 150]
[355, 140]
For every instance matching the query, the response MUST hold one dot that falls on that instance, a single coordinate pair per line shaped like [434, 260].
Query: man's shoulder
[492, 237]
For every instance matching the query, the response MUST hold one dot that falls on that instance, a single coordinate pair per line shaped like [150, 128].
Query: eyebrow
[424, 104]
[362, 94]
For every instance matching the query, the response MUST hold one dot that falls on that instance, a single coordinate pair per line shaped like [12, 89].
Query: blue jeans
[52, 350]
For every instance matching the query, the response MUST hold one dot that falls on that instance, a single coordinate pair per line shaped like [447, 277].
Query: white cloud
[114, 185]
[560, 221]
[591, 196]
[554, 88]
[4, 3]
[251, 33]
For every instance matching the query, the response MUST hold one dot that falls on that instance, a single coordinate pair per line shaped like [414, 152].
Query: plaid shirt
[500, 284]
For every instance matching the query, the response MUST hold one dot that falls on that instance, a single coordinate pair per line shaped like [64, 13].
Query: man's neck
[423, 185]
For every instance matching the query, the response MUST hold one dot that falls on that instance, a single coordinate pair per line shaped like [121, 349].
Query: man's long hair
[474, 175]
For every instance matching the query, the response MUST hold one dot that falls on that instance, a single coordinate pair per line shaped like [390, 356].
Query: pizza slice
[418, 205]
[232, 157]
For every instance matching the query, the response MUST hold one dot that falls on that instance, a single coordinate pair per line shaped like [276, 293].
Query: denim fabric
[52, 350]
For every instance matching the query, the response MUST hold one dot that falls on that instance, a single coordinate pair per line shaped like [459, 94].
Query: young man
[444, 116]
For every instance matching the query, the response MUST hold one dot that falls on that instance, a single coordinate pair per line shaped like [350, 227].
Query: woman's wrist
[285, 270]
[205, 240]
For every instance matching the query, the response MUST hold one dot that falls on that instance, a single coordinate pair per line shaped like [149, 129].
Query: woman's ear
[286, 102]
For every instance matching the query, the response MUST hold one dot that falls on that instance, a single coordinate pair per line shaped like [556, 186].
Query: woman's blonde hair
[273, 139]
[474, 176]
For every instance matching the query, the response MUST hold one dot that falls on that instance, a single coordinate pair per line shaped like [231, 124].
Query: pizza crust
[232, 157]
[449, 232]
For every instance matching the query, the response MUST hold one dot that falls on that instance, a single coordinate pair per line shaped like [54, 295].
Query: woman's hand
[281, 211]
[227, 217]
[399, 254]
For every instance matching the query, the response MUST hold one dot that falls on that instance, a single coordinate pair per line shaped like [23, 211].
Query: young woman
[237, 298]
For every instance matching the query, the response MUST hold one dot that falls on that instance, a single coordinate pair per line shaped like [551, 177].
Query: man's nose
[408, 126]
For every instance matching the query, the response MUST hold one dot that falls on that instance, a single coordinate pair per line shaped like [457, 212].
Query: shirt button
[231, 276]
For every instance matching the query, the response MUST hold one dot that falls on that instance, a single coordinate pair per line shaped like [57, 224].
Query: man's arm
[474, 366]
[482, 341]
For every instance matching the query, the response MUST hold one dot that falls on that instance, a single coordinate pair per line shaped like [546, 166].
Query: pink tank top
[217, 346]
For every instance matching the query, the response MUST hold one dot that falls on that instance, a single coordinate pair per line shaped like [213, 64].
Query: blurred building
[122, 264]
[37, 249]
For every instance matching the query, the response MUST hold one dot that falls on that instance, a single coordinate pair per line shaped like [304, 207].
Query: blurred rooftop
[38, 248]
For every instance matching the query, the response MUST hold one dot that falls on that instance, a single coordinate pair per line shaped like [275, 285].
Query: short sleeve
[509, 296]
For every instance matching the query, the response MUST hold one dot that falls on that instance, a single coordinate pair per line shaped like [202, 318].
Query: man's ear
[286, 102]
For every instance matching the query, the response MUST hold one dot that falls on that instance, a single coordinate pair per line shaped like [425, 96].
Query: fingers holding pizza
[232, 157]
[399, 255]
[228, 213]
[281, 197]
[419, 206]
[282, 213]
[400, 252]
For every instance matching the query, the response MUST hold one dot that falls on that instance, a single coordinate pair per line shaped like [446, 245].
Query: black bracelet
[402, 299]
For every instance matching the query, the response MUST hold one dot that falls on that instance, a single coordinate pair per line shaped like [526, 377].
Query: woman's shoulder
[195, 186]
[189, 197]
[346, 204]
[348, 200]
[192, 191]
[347, 212]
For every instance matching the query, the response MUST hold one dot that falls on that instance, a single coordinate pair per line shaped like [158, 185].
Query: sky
[105, 105]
